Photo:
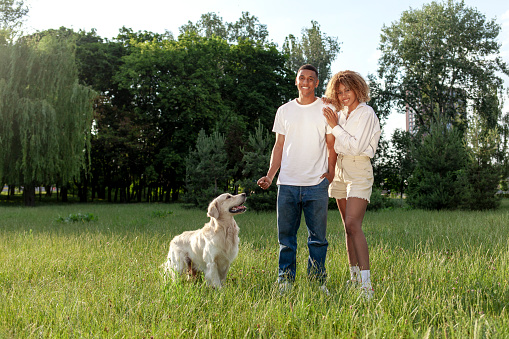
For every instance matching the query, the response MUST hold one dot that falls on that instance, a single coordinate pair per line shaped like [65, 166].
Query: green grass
[435, 274]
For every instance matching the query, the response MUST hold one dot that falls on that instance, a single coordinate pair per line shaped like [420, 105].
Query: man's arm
[275, 162]
[331, 159]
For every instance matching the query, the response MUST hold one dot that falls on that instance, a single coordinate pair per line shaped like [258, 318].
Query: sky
[357, 25]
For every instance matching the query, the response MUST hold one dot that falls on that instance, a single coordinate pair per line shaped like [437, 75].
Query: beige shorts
[353, 178]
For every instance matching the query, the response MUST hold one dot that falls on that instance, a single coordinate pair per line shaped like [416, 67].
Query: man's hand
[264, 182]
[329, 176]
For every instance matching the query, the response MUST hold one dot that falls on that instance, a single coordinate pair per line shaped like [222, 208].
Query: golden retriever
[212, 248]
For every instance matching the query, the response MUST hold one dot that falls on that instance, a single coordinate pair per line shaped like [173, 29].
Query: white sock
[355, 273]
[365, 278]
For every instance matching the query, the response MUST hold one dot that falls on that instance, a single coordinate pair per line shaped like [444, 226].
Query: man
[303, 138]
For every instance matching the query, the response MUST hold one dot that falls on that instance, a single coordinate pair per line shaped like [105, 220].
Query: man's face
[306, 82]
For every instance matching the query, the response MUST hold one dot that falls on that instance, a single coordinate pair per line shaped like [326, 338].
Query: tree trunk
[174, 193]
[29, 195]
[168, 194]
[83, 189]
[63, 192]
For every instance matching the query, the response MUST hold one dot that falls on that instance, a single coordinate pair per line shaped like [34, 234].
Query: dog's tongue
[237, 209]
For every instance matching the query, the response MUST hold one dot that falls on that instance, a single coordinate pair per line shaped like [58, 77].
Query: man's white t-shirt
[305, 149]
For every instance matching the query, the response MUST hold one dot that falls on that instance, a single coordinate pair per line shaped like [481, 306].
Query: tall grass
[435, 274]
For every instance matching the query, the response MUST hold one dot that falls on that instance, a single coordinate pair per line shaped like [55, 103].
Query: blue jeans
[291, 202]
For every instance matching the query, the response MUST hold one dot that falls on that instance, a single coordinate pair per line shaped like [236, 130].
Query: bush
[378, 201]
[78, 218]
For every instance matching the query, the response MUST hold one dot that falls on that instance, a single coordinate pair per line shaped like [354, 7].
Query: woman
[357, 131]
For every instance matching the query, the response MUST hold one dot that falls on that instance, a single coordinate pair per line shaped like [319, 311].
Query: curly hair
[352, 81]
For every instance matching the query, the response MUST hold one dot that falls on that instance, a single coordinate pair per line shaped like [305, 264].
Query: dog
[211, 249]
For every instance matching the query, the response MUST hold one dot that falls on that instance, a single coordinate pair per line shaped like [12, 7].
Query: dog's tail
[168, 272]
[175, 265]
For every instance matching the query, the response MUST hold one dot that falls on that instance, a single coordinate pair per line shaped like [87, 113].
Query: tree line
[152, 117]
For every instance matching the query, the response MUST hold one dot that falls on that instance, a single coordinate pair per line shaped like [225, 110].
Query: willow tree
[45, 114]
[12, 14]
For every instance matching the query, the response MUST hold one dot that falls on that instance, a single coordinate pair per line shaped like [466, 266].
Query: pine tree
[255, 163]
[439, 179]
[206, 169]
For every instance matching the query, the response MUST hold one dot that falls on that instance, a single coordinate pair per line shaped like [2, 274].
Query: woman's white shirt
[359, 134]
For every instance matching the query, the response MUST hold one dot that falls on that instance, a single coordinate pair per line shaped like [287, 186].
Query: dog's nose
[243, 194]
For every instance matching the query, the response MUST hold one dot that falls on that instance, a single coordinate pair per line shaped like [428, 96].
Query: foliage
[502, 154]
[314, 48]
[439, 179]
[255, 162]
[482, 172]
[206, 169]
[441, 60]
[157, 92]
[211, 24]
[378, 201]
[46, 114]
[12, 13]
[180, 87]
[401, 162]
[78, 217]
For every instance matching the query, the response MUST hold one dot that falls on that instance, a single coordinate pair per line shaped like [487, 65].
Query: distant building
[457, 103]
[410, 120]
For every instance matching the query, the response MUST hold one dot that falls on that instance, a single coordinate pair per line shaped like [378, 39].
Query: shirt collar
[362, 104]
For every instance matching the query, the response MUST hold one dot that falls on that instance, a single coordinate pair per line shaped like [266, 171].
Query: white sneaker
[367, 292]
[352, 283]
[285, 287]
[324, 290]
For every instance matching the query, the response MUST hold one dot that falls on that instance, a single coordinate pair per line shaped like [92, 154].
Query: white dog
[212, 248]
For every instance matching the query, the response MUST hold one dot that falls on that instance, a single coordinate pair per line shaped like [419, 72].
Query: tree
[209, 25]
[483, 172]
[256, 82]
[46, 114]
[212, 25]
[255, 161]
[314, 48]
[12, 13]
[401, 159]
[180, 87]
[175, 87]
[503, 149]
[439, 179]
[440, 61]
[247, 27]
[206, 172]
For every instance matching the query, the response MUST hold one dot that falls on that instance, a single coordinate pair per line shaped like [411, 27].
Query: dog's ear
[213, 212]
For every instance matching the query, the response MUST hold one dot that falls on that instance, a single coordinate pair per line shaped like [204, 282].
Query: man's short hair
[310, 68]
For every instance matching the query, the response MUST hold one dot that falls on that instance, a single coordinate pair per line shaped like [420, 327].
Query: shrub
[78, 218]
[378, 201]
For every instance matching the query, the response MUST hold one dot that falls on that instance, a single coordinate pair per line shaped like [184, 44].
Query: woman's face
[347, 97]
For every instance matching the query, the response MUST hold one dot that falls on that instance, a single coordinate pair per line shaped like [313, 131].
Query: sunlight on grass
[435, 274]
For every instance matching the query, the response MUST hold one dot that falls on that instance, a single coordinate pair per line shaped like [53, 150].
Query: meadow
[436, 275]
